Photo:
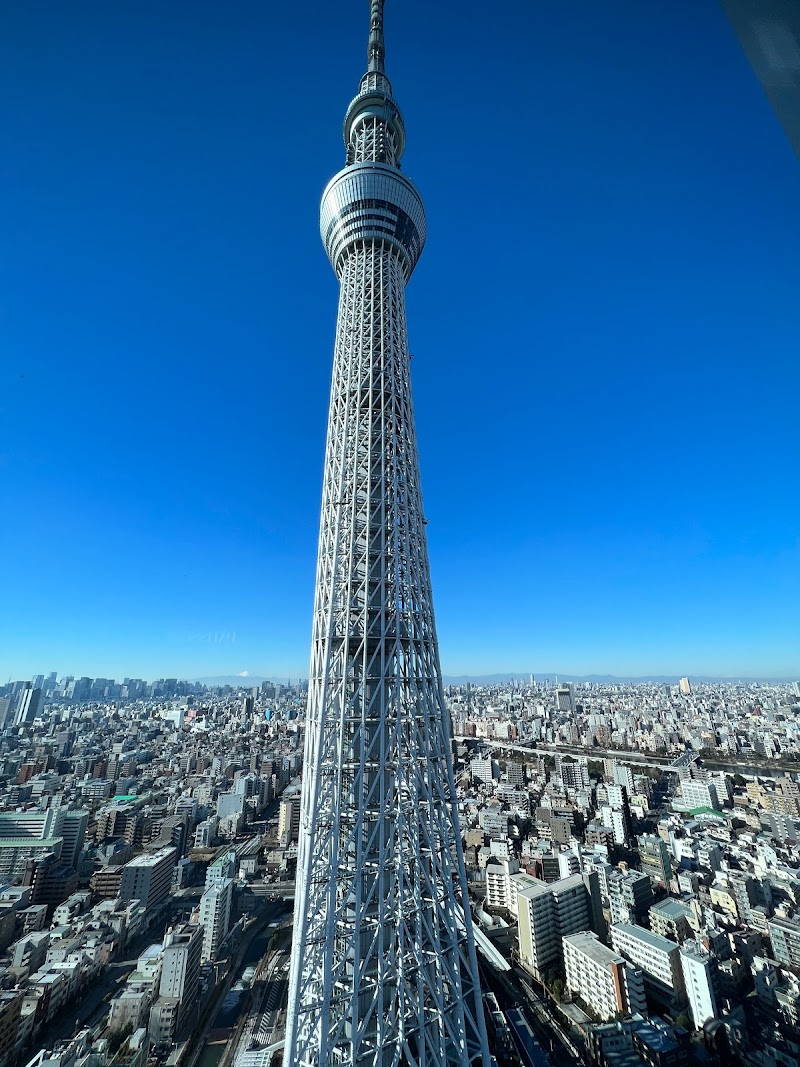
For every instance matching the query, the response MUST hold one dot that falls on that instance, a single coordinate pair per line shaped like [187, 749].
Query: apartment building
[699, 976]
[289, 817]
[179, 982]
[499, 873]
[215, 914]
[630, 895]
[673, 919]
[659, 960]
[602, 978]
[148, 878]
[700, 794]
[546, 912]
[655, 858]
[785, 938]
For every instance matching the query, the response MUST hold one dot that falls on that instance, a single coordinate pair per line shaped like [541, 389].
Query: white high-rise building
[785, 937]
[698, 977]
[180, 962]
[570, 862]
[29, 834]
[179, 982]
[697, 794]
[546, 912]
[623, 775]
[499, 873]
[148, 878]
[481, 769]
[603, 979]
[617, 820]
[205, 832]
[289, 818]
[658, 958]
[222, 869]
[215, 914]
[573, 771]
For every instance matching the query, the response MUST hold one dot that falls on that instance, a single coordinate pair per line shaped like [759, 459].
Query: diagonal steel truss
[381, 971]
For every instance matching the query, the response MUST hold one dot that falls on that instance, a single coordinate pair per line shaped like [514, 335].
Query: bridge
[640, 759]
[686, 759]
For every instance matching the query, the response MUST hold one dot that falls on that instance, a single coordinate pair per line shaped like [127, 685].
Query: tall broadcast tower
[383, 968]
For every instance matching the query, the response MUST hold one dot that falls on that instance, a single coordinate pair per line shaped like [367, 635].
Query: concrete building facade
[602, 978]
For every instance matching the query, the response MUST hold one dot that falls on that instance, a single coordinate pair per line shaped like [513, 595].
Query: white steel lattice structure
[383, 968]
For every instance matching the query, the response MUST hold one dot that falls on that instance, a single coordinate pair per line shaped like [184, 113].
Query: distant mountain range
[248, 680]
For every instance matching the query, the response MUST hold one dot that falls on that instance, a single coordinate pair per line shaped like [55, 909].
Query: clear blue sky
[604, 326]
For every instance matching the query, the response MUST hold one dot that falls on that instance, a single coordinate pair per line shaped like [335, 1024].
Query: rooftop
[785, 924]
[523, 880]
[672, 909]
[536, 887]
[151, 859]
[662, 944]
[30, 842]
[590, 945]
[693, 949]
[656, 1035]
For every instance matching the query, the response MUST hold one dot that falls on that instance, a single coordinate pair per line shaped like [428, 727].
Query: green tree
[119, 1037]
[596, 769]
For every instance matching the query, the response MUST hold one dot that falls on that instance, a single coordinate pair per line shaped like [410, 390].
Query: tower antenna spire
[376, 52]
[383, 968]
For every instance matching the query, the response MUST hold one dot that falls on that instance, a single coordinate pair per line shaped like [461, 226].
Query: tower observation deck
[383, 969]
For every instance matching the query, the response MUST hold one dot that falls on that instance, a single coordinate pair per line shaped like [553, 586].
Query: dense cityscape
[632, 853]
[373, 867]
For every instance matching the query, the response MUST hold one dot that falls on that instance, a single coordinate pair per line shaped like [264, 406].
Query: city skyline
[246, 679]
[616, 394]
[658, 817]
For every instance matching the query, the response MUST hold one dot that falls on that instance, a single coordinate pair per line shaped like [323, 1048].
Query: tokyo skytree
[383, 968]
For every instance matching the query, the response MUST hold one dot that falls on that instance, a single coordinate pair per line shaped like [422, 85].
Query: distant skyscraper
[383, 967]
[565, 697]
[74, 832]
[28, 703]
[685, 686]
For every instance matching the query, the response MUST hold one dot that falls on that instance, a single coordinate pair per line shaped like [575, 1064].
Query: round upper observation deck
[372, 203]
